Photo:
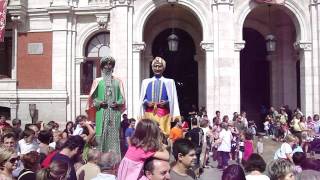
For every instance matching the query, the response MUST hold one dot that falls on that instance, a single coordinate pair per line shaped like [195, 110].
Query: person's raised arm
[162, 154]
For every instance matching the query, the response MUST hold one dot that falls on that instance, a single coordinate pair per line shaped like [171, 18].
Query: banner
[3, 12]
[270, 1]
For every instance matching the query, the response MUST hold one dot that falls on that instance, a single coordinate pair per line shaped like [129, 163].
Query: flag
[270, 1]
[3, 12]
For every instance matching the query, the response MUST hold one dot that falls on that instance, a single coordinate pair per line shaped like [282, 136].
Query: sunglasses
[13, 160]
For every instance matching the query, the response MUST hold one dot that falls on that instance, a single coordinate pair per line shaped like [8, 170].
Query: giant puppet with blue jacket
[158, 98]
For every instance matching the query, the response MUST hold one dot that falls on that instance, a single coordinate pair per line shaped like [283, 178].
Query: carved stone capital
[238, 46]
[306, 46]
[137, 47]
[121, 2]
[207, 46]
[103, 20]
[315, 2]
[225, 2]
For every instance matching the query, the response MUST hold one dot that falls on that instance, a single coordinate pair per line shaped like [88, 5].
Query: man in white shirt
[224, 148]
[28, 143]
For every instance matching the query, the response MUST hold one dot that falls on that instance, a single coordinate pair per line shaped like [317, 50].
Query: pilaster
[225, 65]
[306, 76]
[211, 87]
[135, 83]
[63, 39]
[315, 23]
[78, 61]
[238, 46]
[121, 41]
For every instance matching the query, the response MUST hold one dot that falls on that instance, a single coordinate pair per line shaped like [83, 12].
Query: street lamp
[173, 39]
[270, 38]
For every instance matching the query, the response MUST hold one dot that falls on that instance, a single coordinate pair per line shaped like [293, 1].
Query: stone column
[238, 46]
[135, 83]
[286, 77]
[121, 41]
[201, 79]
[315, 23]
[17, 11]
[273, 66]
[227, 100]
[306, 76]
[78, 62]
[210, 78]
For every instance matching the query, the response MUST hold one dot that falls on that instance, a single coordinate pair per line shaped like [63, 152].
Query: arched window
[98, 46]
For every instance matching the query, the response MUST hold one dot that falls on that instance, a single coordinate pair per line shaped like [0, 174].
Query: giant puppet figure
[158, 97]
[107, 102]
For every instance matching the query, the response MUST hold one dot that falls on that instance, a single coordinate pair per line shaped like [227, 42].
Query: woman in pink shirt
[248, 146]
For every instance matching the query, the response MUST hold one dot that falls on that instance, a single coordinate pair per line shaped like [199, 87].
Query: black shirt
[196, 136]
[26, 174]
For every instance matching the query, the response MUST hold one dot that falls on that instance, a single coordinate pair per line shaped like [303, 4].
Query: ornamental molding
[315, 2]
[79, 60]
[207, 46]
[306, 46]
[222, 2]
[121, 2]
[137, 47]
[103, 20]
[238, 46]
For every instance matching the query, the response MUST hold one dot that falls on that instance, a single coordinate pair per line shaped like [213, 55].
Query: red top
[47, 161]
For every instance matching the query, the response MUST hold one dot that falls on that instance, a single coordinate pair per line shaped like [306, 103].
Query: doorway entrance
[254, 75]
[180, 66]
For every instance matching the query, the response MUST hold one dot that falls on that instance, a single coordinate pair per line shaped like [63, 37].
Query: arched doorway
[254, 74]
[181, 66]
[281, 65]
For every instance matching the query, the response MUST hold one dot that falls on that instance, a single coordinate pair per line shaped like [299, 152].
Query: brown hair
[31, 160]
[57, 169]
[147, 135]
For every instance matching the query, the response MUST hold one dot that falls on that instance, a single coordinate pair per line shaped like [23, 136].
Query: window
[5, 58]
[98, 46]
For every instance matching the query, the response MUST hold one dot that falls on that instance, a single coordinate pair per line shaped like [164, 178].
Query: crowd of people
[48, 151]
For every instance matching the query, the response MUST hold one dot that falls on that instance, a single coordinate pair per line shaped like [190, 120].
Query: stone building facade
[51, 51]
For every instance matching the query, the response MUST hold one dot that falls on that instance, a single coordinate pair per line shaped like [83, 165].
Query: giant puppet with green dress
[106, 103]
[158, 98]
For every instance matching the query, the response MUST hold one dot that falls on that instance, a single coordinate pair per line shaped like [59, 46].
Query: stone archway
[300, 47]
[281, 64]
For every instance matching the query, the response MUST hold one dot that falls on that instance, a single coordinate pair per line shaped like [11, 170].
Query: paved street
[215, 174]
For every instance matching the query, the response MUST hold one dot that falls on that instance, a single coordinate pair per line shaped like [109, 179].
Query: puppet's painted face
[158, 68]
